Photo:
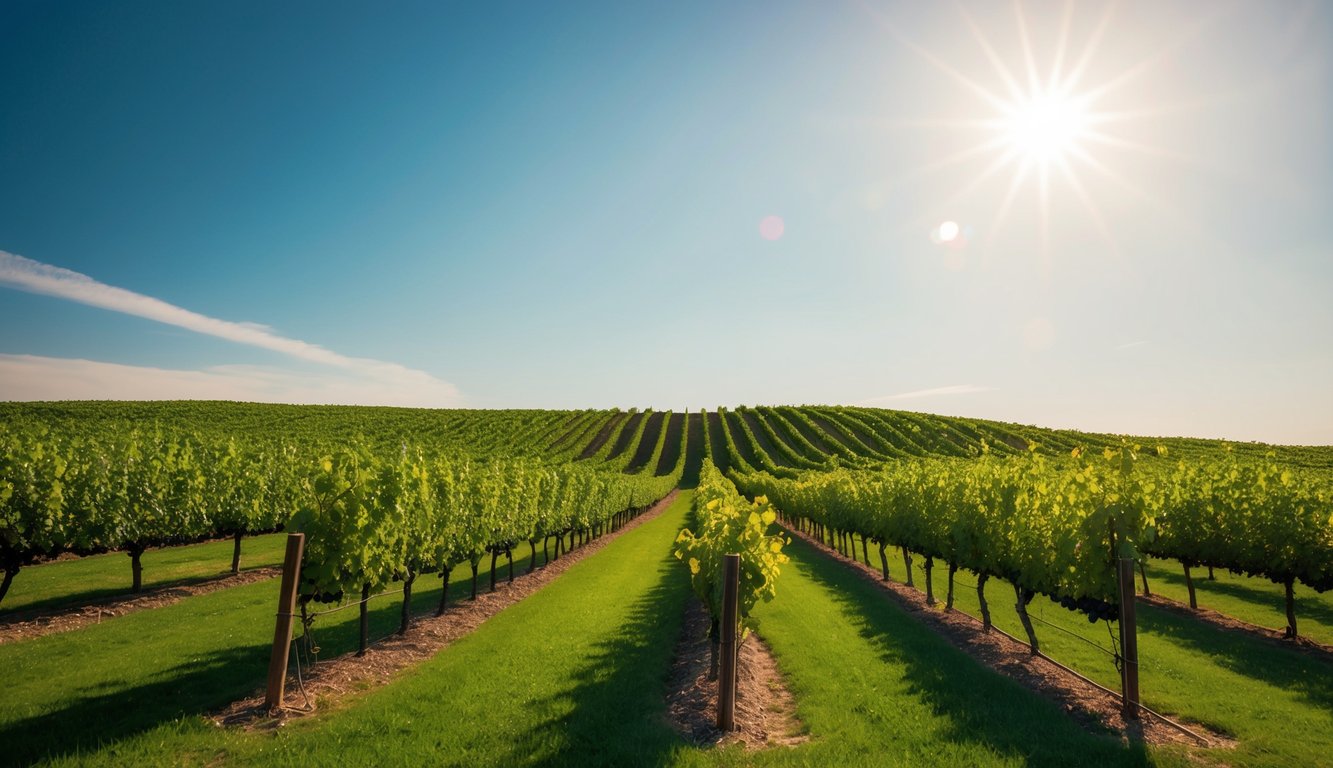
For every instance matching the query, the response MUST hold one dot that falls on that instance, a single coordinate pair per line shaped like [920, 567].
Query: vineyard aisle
[89, 580]
[575, 675]
[572, 675]
[1277, 702]
[157, 671]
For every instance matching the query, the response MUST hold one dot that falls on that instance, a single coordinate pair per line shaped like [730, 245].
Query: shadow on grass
[96, 719]
[1258, 658]
[340, 635]
[617, 709]
[74, 601]
[980, 705]
[1256, 596]
[100, 715]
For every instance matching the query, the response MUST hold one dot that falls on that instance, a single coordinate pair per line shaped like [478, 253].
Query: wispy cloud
[31, 377]
[25, 274]
[917, 394]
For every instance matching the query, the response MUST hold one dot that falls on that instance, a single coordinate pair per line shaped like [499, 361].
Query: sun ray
[1034, 79]
[1044, 213]
[1066, 19]
[957, 158]
[959, 77]
[1009, 195]
[962, 123]
[1106, 139]
[998, 164]
[1206, 101]
[1152, 203]
[1146, 65]
[1070, 81]
[1098, 220]
[1010, 82]
[1275, 185]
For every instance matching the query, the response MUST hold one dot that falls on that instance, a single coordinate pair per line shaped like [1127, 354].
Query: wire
[1115, 643]
[1077, 636]
[300, 681]
[964, 582]
[345, 606]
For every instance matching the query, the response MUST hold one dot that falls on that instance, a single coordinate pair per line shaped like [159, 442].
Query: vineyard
[140, 542]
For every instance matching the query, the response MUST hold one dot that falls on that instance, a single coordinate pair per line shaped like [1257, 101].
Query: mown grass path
[76, 582]
[1250, 599]
[1276, 700]
[90, 691]
[575, 675]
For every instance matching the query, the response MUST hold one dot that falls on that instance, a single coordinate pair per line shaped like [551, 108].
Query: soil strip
[327, 682]
[765, 708]
[26, 625]
[1087, 703]
[1231, 624]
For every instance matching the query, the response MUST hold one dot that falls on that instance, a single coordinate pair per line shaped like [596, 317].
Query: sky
[1103, 216]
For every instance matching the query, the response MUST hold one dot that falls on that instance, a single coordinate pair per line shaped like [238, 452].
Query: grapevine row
[725, 522]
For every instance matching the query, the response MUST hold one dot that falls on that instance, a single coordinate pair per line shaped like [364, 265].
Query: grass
[571, 675]
[1277, 700]
[77, 692]
[74, 582]
[1254, 600]
[876, 687]
[576, 673]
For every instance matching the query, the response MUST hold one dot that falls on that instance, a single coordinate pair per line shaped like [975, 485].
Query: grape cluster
[1096, 610]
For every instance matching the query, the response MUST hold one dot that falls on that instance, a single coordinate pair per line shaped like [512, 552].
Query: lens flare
[772, 227]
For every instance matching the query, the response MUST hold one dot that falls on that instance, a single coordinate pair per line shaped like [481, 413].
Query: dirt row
[326, 683]
[1087, 703]
[765, 708]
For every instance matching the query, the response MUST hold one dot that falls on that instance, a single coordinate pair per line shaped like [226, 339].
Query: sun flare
[1044, 127]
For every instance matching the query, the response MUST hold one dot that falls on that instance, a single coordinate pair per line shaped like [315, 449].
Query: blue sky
[559, 205]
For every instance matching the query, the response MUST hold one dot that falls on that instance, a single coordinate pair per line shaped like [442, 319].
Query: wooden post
[726, 681]
[282, 630]
[1129, 643]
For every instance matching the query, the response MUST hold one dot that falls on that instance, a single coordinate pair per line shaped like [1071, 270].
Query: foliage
[727, 523]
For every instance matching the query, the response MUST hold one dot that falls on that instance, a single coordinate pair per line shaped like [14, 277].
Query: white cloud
[956, 389]
[31, 377]
[381, 382]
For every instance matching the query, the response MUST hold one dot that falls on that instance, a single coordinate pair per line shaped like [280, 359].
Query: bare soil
[1223, 621]
[328, 682]
[1088, 704]
[25, 625]
[765, 708]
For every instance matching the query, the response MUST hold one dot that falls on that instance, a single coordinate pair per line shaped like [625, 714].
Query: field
[577, 671]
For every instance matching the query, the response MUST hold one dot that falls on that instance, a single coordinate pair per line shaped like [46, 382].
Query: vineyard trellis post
[726, 683]
[1129, 643]
[282, 630]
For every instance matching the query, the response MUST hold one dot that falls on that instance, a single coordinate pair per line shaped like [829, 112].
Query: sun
[1044, 127]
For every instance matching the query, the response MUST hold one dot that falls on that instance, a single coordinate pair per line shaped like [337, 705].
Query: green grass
[1277, 700]
[1255, 600]
[876, 687]
[575, 675]
[74, 582]
[75, 692]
